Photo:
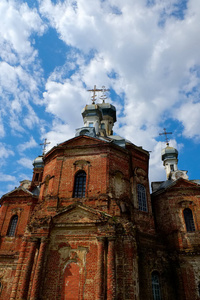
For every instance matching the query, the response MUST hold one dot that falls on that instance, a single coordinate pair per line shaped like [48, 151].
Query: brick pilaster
[28, 268]
[38, 271]
[18, 270]
[100, 269]
[111, 269]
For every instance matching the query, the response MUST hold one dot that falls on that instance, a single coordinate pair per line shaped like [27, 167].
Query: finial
[44, 144]
[103, 96]
[166, 138]
[94, 90]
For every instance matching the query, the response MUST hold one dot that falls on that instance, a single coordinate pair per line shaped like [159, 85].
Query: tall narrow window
[199, 289]
[12, 226]
[79, 185]
[155, 286]
[189, 221]
[142, 200]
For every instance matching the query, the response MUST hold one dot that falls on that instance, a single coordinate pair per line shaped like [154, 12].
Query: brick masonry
[100, 246]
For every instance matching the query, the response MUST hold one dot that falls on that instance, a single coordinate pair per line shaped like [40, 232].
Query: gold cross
[103, 96]
[94, 95]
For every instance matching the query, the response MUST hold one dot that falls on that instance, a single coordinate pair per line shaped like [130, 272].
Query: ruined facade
[87, 227]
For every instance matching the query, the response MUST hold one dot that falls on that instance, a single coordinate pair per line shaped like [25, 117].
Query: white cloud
[17, 23]
[59, 133]
[5, 152]
[27, 145]
[189, 115]
[65, 100]
[25, 162]
[5, 177]
[20, 72]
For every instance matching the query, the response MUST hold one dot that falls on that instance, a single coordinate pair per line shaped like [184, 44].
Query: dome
[38, 162]
[169, 152]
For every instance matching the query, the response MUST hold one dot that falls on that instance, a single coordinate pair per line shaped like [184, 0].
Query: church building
[87, 228]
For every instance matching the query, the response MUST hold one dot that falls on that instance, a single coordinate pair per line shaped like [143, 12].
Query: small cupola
[98, 118]
[38, 166]
[169, 156]
[92, 116]
[109, 117]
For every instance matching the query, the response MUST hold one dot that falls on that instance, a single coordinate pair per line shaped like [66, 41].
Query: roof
[165, 185]
[112, 139]
[20, 188]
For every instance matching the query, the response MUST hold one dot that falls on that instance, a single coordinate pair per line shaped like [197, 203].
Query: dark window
[142, 200]
[189, 222]
[84, 132]
[155, 286]
[79, 185]
[12, 226]
[172, 168]
[36, 176]
[199, 289]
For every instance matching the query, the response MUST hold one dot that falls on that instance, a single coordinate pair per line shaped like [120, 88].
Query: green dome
[169, 152]
[38, 162]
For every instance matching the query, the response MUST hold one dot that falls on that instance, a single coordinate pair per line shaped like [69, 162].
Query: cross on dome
[165, 133]
[94, 90]
[45, 145]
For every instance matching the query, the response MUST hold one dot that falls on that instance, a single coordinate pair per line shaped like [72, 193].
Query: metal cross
[94, 95]
[103, 96]
[45, 145]
[166, 138]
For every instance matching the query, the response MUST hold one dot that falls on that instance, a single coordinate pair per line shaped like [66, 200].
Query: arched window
[12, 226]
[79, 185]
[142, 200]
[189, 221]
[155, 286]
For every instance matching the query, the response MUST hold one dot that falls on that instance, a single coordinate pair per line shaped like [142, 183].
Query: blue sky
[145, 51]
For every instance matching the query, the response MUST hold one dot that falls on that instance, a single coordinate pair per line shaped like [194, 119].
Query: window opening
[103, 126]
[79, 185]
[172, 168]
[142, 201]
[90, 124]
[36, 176]
[12, 226]
[189, 221]
[199, 289]
[155, 286]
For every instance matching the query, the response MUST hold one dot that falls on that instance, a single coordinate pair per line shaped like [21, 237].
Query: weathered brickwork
[103, 245]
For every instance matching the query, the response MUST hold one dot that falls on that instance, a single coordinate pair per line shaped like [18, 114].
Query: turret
[98, 118]
[92, 116]
[38, 166]
[169, 157]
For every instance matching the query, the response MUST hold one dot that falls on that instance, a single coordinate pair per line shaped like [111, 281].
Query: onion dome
[169, 153]
[38, 162]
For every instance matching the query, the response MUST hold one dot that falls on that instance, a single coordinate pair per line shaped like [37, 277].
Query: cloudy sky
[147, 52]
